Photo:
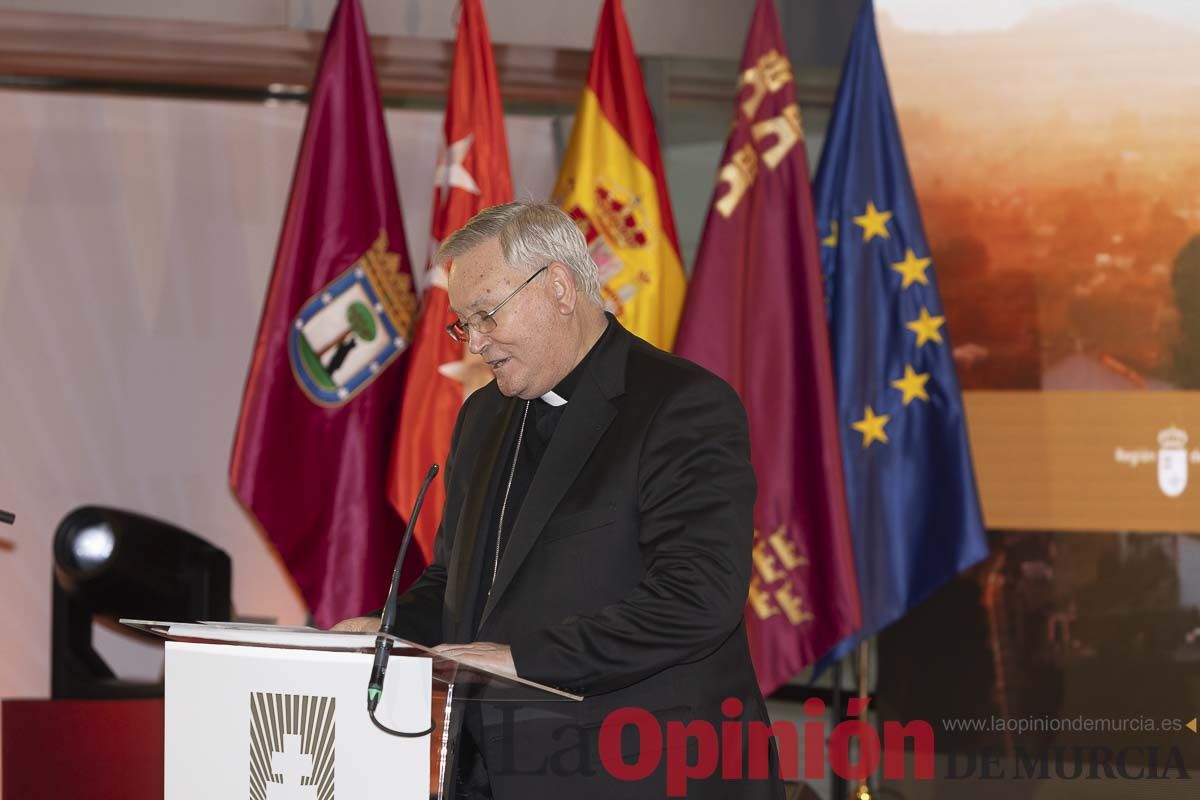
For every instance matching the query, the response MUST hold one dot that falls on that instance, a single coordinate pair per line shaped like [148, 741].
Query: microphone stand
[383, 643]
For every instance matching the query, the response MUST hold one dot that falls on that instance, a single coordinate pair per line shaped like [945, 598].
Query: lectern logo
[291, 747]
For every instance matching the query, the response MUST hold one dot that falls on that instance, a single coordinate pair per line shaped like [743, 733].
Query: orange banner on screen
[1088, 461]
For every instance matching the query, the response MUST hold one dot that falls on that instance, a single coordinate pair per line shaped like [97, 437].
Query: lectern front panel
[271, 723]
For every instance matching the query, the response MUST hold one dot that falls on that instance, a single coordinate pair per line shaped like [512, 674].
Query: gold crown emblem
[1172, 437]
[619, 218]
[393, 287]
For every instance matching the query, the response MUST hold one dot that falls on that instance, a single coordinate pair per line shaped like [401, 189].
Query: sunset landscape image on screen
[1055, 151]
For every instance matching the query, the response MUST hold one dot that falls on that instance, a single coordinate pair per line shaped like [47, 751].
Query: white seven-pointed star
[472, 372]
[450, 170]
[436, 274]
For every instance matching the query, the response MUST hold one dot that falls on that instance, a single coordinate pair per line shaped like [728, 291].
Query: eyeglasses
[484, 322]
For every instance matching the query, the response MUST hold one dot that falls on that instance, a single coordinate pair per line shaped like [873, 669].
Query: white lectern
[278, 713]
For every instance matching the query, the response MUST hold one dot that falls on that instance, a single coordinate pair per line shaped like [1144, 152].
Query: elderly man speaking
[596, 534]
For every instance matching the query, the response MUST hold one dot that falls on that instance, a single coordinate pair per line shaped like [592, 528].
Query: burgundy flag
[310, 457]
[755, 315]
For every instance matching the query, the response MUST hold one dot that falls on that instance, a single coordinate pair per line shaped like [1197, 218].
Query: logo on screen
[291, 747]
[1172, 458]
[1172, 461]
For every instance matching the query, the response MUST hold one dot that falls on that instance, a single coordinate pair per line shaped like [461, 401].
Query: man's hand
[357, 625]
[486, 655]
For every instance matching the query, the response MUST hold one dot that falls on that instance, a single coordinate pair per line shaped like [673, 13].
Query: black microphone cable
[383, 645]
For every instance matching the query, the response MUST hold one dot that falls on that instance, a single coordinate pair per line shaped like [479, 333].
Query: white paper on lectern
[223, 697]
[272, 635]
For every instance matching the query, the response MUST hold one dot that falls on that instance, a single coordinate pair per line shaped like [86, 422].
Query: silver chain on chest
[507, 489]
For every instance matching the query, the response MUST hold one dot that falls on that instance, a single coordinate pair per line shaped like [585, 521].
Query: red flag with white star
[472, 174]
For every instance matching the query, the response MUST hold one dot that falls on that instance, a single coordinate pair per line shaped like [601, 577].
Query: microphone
[383, 645]
[7, 517]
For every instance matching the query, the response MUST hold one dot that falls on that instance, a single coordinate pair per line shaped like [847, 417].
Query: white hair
[532, 236]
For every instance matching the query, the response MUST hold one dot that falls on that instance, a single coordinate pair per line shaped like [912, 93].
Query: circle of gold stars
[926, 327]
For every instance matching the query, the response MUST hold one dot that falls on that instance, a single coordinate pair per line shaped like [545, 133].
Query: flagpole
[864, 673]
[838, 715]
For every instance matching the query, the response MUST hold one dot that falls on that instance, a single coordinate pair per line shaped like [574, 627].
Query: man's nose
[477, 342]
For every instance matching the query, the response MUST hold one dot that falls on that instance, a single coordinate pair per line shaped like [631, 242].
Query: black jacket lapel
[588, 415]
[462, 580]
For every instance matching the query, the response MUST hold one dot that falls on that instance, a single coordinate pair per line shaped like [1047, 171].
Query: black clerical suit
[623, 571]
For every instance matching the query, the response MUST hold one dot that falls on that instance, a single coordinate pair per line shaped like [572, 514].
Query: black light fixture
[114, 563]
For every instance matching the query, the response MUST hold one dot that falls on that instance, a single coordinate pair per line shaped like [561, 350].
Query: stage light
[110, 563]
[92, 546]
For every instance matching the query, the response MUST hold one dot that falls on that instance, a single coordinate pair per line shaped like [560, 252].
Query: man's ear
[562, 284]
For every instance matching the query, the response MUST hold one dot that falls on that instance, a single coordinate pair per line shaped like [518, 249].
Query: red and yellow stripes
[613, 184]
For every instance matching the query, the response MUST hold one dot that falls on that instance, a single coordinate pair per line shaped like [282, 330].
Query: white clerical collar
[554, 399]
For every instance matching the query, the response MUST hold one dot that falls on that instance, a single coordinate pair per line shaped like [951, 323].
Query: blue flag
[914, 511]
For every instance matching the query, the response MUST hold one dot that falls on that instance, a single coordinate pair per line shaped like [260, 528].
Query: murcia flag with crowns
[756, 316]
[613, 185]
[310, 456]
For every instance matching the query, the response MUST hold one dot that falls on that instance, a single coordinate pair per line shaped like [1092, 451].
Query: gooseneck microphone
[383, 645]
[7, 517]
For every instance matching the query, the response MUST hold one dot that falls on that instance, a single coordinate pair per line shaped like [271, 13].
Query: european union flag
[914, 510]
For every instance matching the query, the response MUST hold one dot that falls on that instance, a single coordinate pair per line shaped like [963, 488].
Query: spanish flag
[613, 185]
